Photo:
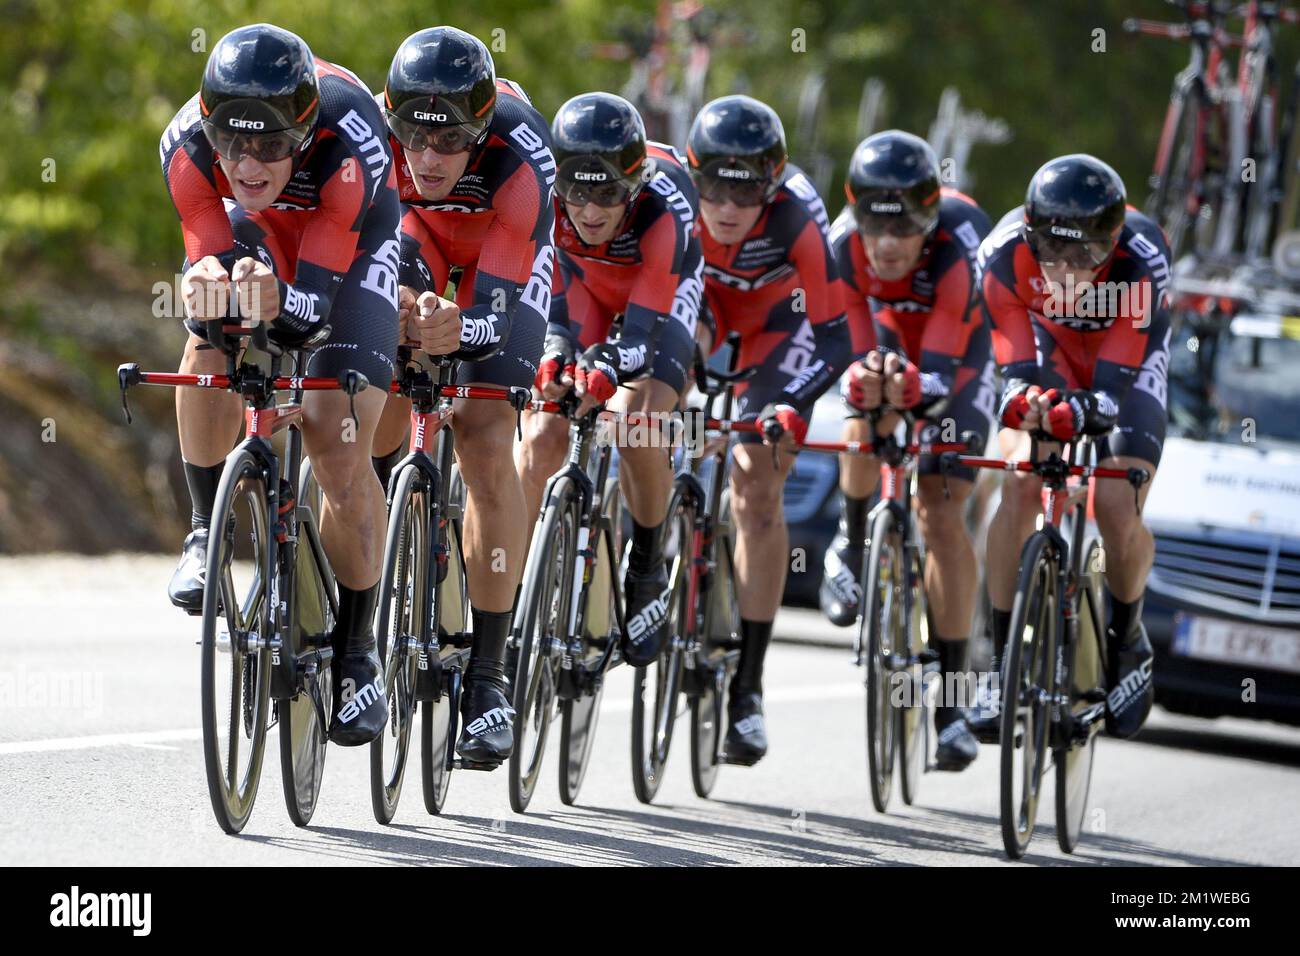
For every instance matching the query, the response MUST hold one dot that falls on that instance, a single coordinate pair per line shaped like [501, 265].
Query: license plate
[1233, 642]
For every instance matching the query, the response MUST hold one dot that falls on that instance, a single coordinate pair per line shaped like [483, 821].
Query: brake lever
[128, 374]
[1137, 477]
[519, 398]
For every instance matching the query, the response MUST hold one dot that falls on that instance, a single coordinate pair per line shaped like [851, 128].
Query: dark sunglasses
[263, 147]
[605, 195]
[883, 224]
[1049, 250]
[742, 192]
[447, 140]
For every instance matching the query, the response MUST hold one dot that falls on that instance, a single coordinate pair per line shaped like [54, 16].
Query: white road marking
[98, 740]
[148, 738]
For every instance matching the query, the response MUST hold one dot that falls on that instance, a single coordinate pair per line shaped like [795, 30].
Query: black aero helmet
[893, 184]
[599, 144]
[1074, 211]
[736, 149]
[260, 87]
[441, 79]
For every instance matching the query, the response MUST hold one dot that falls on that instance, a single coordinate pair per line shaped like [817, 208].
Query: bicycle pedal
[460, 763]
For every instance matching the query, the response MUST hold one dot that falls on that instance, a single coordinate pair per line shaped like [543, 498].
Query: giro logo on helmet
[727, 173]
[590, 177]
[431, 117]
[247, 124]
[1067, 232]
[894, 207]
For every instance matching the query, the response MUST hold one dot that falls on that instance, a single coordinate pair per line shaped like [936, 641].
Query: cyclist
[475, 173]
[906, 250]
[769, 275]
[1076, 286]
[625, 218]
[285, 192]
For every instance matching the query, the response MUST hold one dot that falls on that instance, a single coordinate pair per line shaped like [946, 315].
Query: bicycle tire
[1168, 204]
[233, 791]
[403, 582]
[1261, 202]
[1086, 674]
[303, 734]
[914, 716]
[652, 738]
[542, 606]
[450, 614]
[1027, 692]
[882, 595]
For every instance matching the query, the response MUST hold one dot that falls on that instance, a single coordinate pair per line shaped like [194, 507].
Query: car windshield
[1236, 388]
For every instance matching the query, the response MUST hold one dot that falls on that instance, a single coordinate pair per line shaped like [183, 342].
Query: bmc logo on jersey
[1066, 232]
[726, 173]
[247, 124]
[431, 117]
[591, 177]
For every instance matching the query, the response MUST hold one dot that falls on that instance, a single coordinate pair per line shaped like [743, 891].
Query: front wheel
[1028, 687]
[237, 629]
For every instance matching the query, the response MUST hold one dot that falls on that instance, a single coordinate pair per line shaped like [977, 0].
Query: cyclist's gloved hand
[903, 389]
[606, 365]
[777, 419]
[1078, 411]
[555, 372]
[861, 386]
[1019, 407]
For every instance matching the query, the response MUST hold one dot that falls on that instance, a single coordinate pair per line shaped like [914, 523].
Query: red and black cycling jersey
[334, 186]
[651, 271]
[933, 315]
[497, 220]
[1094, 341]
[782, 269]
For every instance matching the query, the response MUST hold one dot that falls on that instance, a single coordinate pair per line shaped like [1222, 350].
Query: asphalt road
[100, 764]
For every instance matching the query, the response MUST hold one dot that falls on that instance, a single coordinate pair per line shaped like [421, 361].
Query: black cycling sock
[385, 464]
[491, 630]
[357, 617]
[754, 638]
[954, 657]
[645, 548]
[855, 520]
[1124, 616]
[999, 624]
[202, 481]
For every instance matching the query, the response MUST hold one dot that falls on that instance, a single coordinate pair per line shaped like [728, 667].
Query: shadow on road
[575, 839]
[1094, 849]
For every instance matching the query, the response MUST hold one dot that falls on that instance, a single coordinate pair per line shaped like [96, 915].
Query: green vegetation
[86, 228]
